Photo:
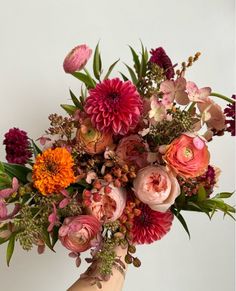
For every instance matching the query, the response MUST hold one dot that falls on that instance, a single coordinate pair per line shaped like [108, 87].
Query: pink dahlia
[114, 106]
[17, 146]
[150, 225]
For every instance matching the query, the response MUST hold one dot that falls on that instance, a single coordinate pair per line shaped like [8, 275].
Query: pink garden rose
[77, 233]
[133, 150]
[111, 205]
[77, 58]
[188, 156]
[157, 187]
[216, 119]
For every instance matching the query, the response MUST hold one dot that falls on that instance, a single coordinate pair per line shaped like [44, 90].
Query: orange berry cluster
[120, 175]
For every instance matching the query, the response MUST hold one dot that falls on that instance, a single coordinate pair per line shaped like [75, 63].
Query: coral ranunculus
[157, 187]
[150, 225]
[52, 171]
[188, 156]
[77, 58]
[76, 233]
[92, 141]
[133, 150]
[114, 106]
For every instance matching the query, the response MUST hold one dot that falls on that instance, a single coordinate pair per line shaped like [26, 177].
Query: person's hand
[115, 283]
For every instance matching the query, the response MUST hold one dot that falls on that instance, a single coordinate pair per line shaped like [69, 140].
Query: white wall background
[34, 38]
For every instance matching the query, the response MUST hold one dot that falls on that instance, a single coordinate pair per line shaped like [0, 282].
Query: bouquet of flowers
[130, 156]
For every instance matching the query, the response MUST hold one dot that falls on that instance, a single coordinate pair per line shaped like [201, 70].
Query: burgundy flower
[114, 106]
[160, 58]
[17, 146]
[150, 225]
[230, 113]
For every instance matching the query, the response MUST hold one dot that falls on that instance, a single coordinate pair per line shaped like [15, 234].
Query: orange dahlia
[53, 171]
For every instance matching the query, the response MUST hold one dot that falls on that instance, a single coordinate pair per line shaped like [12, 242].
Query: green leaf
[2, 167]
[97, 63]
[76, 101]
[224, 195]
[136, 60]
[18, 171]
[35, 148]
[201, 193]
[47, 240]
[110, 69]
[70, 109]
[124, 77]
[54, 235]
[10, 248]
[182, 220]
[144, 60]
[88, 81]
[132, 75]
[3, 240]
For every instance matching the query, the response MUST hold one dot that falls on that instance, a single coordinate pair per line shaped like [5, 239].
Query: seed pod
[136, 262]
[132, 249]
[128, 259]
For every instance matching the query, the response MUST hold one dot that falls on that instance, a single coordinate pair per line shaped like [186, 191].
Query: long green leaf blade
[18, 171]
[10, 248]
[132, 75]
[110, 69]
[89, 83]
[97, 63]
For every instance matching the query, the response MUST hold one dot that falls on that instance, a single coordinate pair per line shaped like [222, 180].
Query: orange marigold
[53, 171]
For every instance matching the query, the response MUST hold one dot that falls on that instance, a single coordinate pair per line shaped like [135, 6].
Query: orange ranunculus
[53, 171]
[92, 140]
[188, 156]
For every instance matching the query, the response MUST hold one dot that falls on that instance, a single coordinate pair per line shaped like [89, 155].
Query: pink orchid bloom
[53, 218]
[174, 90]
[195, 94]
[5, 193]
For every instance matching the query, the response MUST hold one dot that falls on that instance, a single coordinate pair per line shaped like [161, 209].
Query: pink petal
[180, 84]
[5, 193]
[3, 209]
[181, 98]
[198, 143]
[15, 184]
[167, 87]
[64, 203]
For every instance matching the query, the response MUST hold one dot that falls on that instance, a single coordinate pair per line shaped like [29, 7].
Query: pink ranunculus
[188, 156]
[133, 150]
[174, 90]
[216, 119]
[195, 94]
[157, 187]
[77, 58]
[111, 205]
[77, 232]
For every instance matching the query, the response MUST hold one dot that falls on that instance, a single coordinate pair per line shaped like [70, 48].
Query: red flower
[230, 114]
[150, 225]
[114, 106]
[160, 58]
[17, 146]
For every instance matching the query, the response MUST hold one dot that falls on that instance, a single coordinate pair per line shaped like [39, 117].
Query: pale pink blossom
[215, 116]
[158, 110]
[53, 218]
[77, 232]
[77, 58]
[195, 94]
[91, 175]
[174, 91]
[5, 193]
[157, 187]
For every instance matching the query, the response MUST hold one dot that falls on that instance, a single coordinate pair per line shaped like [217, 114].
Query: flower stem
[223, 97]
[191, 106]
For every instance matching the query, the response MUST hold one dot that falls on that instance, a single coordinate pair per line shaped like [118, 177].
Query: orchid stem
[223, 97]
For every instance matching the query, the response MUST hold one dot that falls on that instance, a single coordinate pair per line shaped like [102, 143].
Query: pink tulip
[77, 58]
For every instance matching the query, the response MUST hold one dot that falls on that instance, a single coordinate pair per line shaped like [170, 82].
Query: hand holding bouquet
[130, 156]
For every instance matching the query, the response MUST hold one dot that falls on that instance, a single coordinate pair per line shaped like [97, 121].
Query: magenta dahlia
[150, 225]
[160, 58]
[17, 146]
[114, 106]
